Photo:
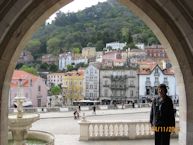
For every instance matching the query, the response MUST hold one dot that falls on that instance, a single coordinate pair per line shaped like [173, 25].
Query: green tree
[70, 67]
[53, 45]
[53, 68]
[99, 45]
[29, 69]
[55, 90]
[44, 66]
[33, 45]
[76, 50]
[95, 26]
[19, 65]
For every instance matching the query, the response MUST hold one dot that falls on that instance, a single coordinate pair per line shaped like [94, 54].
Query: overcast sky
[75, 6]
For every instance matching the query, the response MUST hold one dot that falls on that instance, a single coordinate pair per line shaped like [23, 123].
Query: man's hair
[163, 86]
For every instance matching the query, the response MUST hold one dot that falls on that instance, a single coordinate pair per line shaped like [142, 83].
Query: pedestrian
[79, 108]
[76, 114]
[123, 105]
[94, 109]
[162, 116]
[133, 104]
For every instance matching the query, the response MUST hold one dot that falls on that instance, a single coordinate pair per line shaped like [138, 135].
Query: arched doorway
[171, 22]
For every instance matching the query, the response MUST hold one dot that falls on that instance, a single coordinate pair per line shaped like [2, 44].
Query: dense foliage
[29, 69]
[94, 26]
[55, 90]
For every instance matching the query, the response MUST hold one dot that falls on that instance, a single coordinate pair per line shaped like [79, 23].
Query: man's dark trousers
[162, 138]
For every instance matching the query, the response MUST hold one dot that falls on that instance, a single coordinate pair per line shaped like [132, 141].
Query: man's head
[162, 90]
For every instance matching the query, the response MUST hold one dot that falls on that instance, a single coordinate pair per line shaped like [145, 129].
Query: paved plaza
[66, 129]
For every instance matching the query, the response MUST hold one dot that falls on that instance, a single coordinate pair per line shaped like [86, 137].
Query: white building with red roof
[34, 89]
[150, 77]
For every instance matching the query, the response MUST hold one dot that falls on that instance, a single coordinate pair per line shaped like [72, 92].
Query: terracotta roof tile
[26, 77]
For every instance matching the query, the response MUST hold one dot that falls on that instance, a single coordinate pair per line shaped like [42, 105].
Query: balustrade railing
[106, 129]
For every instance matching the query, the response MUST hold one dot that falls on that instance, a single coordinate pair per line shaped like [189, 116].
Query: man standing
[162, 116]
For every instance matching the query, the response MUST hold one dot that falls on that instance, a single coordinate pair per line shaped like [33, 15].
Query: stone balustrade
[112, 129]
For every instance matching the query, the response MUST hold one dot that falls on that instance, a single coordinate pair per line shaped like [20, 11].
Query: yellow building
[73, 86]
[89, 52]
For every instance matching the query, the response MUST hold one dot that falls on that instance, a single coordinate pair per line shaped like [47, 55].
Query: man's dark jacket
[162, 112]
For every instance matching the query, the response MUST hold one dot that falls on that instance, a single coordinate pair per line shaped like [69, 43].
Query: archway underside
[171, 21]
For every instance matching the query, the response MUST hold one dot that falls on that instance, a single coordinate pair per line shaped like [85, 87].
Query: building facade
[156, 51]
[91, 78]
[73, 87]
[64, 60]
[69, 59]
[118, 85]
[89, 52]
[34, 89]
[116, 45]
[25, 57]
[50, 59]
[150, 78]
[55, 79]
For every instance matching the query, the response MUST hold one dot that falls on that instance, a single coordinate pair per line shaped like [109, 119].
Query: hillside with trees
[94, 26]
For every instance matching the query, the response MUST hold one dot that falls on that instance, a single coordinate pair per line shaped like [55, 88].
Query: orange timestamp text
[171, 129]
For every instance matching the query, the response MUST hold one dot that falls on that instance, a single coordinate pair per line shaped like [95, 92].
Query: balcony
[131, 86]
[106, 85]
[119, 78]
[132, 76]
[106, 76]
[119, 87]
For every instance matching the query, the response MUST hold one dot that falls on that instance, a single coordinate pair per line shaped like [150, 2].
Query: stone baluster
[132, 131]
[115, 130]
[84, 128]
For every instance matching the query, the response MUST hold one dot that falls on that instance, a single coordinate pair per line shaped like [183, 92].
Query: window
[156, 71]
[39, 102]
[30, 83]
[39, 88]
[131, 93]
[132, 83]
[91, 71]
[148, 91]
[156, 79]
[106, 93]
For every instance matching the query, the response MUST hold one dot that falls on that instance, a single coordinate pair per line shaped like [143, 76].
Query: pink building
[113, 58]
[34, 89]
[156, 51]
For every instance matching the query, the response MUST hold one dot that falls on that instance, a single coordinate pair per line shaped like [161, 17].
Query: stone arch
[171, 21]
